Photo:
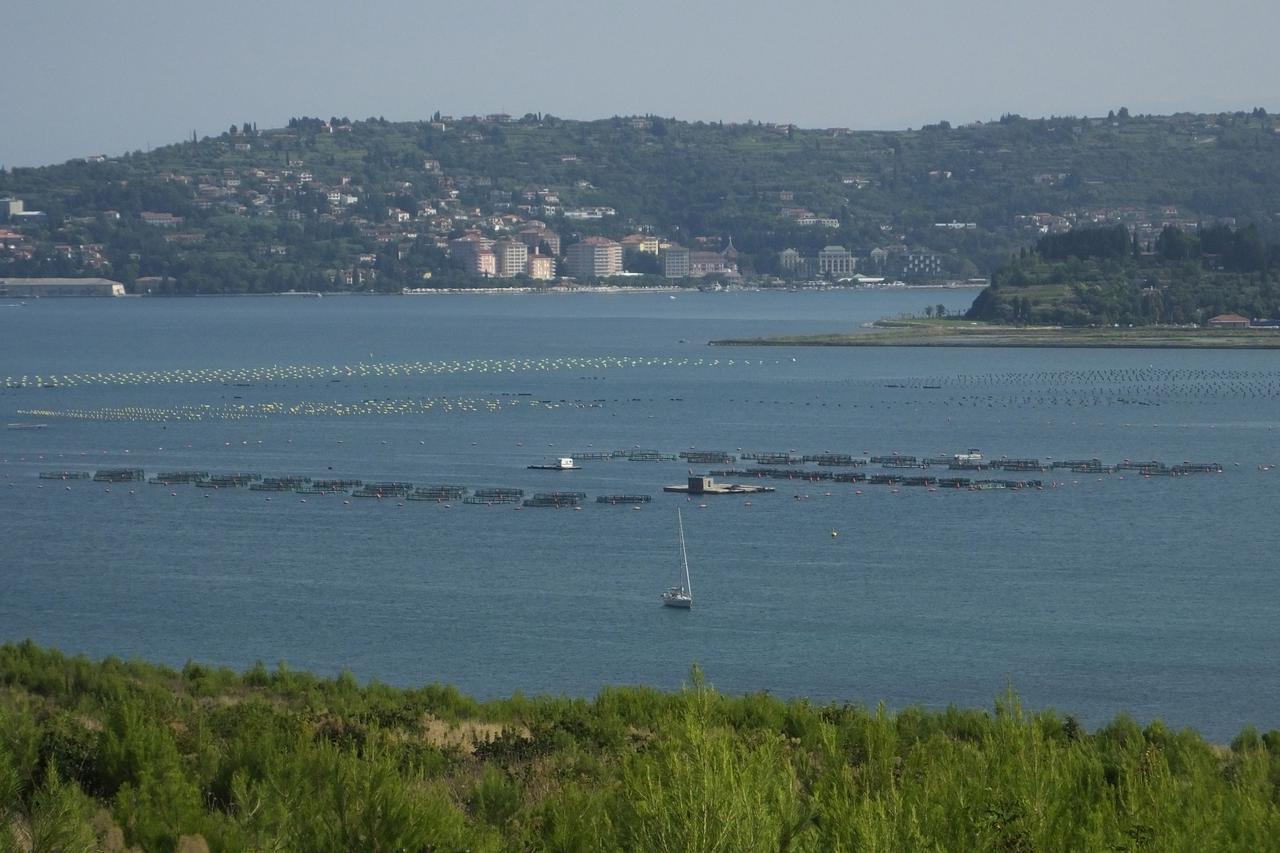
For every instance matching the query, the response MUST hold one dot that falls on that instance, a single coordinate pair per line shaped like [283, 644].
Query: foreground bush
[103, 755]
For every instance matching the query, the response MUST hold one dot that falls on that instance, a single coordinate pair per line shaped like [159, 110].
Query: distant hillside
[335, 204]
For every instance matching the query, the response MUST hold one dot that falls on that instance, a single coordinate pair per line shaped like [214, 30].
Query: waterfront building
[541, 267]
[594, 257]
[922, 263]
[535, 236]
[511, 257]
[468, 248]
[641, 243]
[836, 261]
[674, 260]
[710, 263]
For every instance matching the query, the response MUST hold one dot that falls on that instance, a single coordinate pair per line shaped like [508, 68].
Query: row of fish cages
[770, 458]
[952, 482]
[834, 460]
[494, 496]
[65, 475]
[707, 457]
[1158, 469]
[439, 494]
[280, 484]
[617, 500]
[172, 478]
[556, 500]
[646, 456]
[793, 474]
[119, 475]
[336, 485]
[390, 489]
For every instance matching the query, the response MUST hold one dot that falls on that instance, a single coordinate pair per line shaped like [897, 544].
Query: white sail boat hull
[677, 598]
[680, 596]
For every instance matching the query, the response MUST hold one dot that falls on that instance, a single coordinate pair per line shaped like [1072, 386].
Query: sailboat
[680, 596]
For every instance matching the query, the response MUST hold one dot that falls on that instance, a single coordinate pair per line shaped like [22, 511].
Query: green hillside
[1104, 277]
[333, 204]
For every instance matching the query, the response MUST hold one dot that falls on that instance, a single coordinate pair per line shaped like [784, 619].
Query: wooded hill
[103, 755]
[1103, 277]
[319, 202]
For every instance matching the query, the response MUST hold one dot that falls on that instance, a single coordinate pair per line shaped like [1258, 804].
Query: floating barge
[705, 485]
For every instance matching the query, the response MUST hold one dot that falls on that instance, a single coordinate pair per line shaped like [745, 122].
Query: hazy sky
[88, 76]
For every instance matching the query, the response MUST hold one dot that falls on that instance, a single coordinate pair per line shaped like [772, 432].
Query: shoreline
[945, 334]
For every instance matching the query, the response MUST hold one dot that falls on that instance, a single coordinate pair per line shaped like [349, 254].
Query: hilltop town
[537, 201]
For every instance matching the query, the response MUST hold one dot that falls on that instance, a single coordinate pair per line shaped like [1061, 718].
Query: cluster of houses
[839, 262]
[489, 230]
[1144, 222]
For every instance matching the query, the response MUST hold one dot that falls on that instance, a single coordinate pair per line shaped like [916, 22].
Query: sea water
[1152, 596]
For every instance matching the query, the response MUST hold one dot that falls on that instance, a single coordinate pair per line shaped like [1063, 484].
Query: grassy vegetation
[100, 755]
[954, 332]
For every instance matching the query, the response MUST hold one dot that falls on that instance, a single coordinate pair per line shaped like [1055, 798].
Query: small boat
[680, 596]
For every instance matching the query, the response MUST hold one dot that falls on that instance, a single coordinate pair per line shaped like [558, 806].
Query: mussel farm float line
[290, 373]
[262, 411]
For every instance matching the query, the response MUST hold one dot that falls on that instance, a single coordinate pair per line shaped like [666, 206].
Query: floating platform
[702, 485]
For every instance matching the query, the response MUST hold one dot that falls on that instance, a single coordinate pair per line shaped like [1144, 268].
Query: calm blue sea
[1157, 596]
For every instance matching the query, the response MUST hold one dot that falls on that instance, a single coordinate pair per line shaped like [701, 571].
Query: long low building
[34, 288]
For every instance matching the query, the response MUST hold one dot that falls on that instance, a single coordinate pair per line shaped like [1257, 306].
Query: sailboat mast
[684, 557]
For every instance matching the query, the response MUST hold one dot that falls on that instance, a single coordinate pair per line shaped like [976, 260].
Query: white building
[836, 261]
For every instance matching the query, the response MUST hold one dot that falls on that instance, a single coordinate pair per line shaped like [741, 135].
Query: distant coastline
[956, 333]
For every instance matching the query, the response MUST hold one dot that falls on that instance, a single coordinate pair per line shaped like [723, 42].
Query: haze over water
[1153, 596]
